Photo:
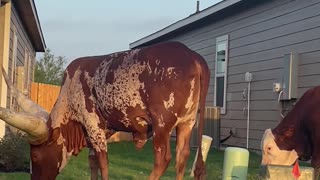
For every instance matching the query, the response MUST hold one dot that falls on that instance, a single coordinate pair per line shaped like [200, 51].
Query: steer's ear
[267, 135]
[54, 135]
[268, 132]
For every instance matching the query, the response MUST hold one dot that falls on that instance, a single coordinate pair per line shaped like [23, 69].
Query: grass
[126, 163]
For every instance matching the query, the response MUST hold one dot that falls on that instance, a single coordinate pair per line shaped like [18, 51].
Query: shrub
[14, 153]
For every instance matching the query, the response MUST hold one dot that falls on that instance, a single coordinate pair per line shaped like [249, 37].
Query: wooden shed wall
[259, 37]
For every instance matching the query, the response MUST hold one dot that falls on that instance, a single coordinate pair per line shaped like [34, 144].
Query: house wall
[259, 37]
[21, 55]
[5, 13]
[15, 46]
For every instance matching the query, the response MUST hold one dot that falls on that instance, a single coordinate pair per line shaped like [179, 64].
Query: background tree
[49, 69]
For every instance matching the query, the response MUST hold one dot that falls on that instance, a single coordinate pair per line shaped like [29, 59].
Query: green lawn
[127, 163]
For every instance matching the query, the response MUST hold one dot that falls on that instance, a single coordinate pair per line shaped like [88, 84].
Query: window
[221, 72]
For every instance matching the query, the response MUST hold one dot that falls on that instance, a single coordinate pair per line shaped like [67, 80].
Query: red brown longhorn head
[33, 121]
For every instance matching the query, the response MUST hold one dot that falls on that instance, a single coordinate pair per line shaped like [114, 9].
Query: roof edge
[27, 12]
[184, 22]
[36, 17]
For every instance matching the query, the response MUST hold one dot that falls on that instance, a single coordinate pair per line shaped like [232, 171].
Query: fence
[44, 94]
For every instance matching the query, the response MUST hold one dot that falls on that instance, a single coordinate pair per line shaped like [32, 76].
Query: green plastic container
[235, 166]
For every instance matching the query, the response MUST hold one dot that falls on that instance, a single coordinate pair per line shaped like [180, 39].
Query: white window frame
[219, 40]
[14, 54]
[13, 64]
[27, 68]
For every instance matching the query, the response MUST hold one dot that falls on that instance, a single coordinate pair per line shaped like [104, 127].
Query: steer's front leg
[94, 164]
[102, 157]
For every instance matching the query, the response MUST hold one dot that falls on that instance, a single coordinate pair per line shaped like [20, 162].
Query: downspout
[248, 78]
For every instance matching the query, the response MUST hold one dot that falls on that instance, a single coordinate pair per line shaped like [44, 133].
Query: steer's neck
[289, 133]
[286, 131]
[69, 134]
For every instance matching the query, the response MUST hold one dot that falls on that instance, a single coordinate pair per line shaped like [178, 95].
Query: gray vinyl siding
[23, 43]
[259, 37]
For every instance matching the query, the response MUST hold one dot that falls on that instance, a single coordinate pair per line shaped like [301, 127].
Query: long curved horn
[35, 127]
[24, 102]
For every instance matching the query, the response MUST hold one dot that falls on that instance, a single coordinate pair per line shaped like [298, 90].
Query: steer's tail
[200, 170]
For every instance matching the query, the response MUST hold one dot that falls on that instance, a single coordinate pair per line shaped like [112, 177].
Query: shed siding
[23, 44]
[23, 41]
[259, 37]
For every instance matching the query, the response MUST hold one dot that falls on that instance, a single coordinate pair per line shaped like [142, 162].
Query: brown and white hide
[148, 92]
[297, 135]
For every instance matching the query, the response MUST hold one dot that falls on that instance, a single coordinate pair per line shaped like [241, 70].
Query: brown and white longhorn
[148, 92]
[297, 135]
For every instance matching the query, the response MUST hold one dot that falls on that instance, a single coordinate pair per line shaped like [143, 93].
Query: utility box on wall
[290, 77]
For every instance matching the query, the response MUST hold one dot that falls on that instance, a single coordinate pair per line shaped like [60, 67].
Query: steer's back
[158, 78]
[126, 87]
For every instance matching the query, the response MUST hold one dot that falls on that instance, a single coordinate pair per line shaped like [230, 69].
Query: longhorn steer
[148, 92]
[297, 135]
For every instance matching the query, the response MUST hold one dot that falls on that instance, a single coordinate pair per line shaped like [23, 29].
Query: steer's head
[45, 160]
[272, 154]
[46, 153]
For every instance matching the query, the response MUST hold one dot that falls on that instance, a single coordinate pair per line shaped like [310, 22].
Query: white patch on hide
[141, 122]
[159, 149]
[157, 62]
[149, 68]
[190, 98]
[192, 108]
[161, 122]
[65, 155]
[124, 90]
[170, 70]
[168, 104]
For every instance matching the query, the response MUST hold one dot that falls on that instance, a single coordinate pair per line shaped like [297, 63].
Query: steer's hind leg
[182, 147]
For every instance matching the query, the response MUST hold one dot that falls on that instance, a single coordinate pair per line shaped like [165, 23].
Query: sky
[76, 28]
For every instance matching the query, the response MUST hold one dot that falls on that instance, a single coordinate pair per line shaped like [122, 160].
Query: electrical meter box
[290, 77]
